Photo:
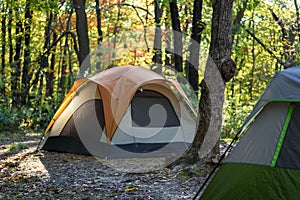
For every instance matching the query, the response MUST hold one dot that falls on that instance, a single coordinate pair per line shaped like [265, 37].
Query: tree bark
[27, 33]
[82, 33]
[45, 58]
[220, 68]
[100, 33]
[10, 44]
[16, 72]
[298, 18]
[3, 53]
[50, 77]
[220, 52]
[98, 14]
[192, 66]
[157, 57]
[177, 38]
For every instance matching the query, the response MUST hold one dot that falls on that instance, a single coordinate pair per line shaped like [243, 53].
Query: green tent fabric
[265, 164]
[248, 181]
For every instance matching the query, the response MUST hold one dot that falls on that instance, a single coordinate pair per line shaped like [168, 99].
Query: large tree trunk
[223, 66]
[82, 33]
[220, 68]
[177, 38]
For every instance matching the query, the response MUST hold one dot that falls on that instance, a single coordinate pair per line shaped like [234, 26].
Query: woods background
[44, 43]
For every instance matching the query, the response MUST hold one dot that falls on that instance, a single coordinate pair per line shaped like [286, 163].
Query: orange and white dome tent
[123, 112]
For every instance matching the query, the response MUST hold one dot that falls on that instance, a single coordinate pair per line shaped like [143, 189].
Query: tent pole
[37, 148]
[217, 165]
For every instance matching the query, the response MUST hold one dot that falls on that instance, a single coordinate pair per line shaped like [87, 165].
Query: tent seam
[282, 135]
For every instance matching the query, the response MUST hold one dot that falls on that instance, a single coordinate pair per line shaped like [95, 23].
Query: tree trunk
[177, 38]
[3, 38]
[253, 61]
[220, 68]
[62, 83]
[192, 64]
[98, 14]
[45, 58]
[27, 33]
[298, 18]
[10, 44]
[157, 57]
[100, 33]
[82, 33]
[50, 76]
[16, 72]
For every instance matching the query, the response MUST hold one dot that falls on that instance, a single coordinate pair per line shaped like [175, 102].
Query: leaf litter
[27, 174]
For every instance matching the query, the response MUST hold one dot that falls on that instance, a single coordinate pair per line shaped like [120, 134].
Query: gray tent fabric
[260, 140]
[284, 86]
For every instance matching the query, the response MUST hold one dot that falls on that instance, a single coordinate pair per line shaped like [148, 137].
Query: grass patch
[11, 147]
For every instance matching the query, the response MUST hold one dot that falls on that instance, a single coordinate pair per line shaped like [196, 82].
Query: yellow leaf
[131, 189]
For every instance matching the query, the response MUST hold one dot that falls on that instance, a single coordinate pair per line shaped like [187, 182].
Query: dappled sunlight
[25, 173]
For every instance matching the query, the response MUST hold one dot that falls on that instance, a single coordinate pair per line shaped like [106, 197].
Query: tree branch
[265, 47]
[280, 23]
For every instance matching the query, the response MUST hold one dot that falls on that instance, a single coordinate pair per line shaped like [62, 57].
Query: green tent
[265, 164]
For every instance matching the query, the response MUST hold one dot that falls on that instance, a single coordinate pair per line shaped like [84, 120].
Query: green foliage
[255, 66]
[22, 146]
[25, 118]
[11, 147]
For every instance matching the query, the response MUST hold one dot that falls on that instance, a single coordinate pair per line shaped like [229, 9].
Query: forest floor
[29, 174]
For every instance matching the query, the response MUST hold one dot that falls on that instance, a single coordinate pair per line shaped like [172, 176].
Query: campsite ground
[26, 174]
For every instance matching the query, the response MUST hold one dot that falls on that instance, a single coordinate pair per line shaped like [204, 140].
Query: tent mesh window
[152, 109]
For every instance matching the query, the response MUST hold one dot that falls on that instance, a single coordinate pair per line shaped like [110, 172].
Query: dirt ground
[29, 174]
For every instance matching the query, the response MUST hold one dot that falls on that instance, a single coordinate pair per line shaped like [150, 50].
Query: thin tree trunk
[194, 48]
[168, 60]
[62, 82]
[40, 91]
[298, 19]
[287, 43]
[50, 75]
[157, 57]
[70, 76]
[98, 14]
[45, 58]
[177, 38]
[10, 44]
[100, 33]
[82, 33]
[238, 18]
[16, 72]
[253, 61]
[27, 33]
[3, 53]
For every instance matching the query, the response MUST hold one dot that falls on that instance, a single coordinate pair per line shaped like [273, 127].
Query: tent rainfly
[265, 164]
[122, 112]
